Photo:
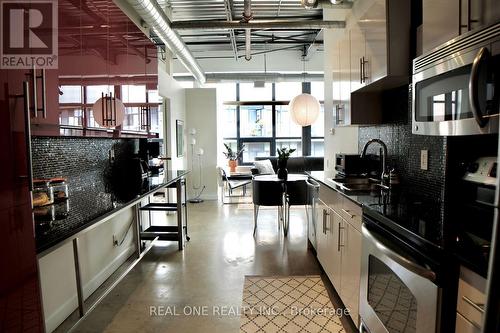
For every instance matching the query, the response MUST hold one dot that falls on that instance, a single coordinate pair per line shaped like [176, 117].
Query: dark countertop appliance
[349, 165]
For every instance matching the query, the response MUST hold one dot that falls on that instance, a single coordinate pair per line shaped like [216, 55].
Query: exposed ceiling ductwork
[157, 20]
[252, 77]
[258, 24]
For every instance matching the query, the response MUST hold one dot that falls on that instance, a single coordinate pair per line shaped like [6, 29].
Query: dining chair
[267, 193]
[231, 184]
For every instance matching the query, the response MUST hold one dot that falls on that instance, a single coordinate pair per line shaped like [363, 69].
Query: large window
[256, 121]
[259, 118]
[76, 101]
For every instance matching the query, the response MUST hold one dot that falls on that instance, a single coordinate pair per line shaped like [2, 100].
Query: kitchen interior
[403, 219]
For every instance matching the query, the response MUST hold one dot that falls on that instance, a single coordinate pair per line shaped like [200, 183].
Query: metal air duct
[155, 17]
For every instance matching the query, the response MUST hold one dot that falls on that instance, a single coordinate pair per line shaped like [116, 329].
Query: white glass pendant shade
[113, 113]
[304, 109]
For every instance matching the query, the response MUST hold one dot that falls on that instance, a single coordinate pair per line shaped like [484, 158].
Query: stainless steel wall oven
[399, 292]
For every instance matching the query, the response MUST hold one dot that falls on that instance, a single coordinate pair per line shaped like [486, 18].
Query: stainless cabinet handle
[347, 212]
[34, 79]
[27, 132]
[311, 182]
[44, 93]
[338, 243]
[35, 91]
[325, 215]
[477, 306]
[361, 70]
[340, 109]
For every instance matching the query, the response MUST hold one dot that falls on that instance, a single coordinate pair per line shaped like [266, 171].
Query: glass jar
[60, 189]
[43, 194]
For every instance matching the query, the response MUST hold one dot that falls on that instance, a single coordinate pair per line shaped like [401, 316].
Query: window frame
[86, 108]
[272, 140]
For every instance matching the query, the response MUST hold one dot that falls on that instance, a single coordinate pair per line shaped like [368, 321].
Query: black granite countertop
[420, 220]
[93, 201]
[399, 209]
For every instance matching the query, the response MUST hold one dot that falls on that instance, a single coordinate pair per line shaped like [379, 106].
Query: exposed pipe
[157, 20]
[248, 44]
[247, 16]
[252, 77]
[228, 8]
[258, 24]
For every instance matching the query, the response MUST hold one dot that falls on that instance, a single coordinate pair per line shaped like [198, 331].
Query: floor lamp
[199, 154]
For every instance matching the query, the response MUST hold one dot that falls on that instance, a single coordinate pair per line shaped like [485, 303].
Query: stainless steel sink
[358, 184]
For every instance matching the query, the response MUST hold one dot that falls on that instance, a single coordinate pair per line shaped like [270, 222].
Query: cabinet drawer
[330, 197]
[465, 326]
[471, 296]
[352, 213]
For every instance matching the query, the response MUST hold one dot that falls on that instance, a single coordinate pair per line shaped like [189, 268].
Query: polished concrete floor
[165, 289]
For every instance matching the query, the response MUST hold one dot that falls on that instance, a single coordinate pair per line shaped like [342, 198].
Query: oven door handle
[399, 259]
[482, 55]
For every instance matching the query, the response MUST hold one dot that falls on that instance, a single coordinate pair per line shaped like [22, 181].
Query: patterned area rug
[287, 304]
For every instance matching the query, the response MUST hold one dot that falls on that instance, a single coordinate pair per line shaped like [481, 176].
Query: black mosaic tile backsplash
[77, 159]
[404, 147]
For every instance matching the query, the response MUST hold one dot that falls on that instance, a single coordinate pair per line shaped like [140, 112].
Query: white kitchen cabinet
[322, 249]
[351, 268]
[374, 26]
[342, 113]
[358, 52]
[335, 250]
[374, 55]
[380, 42]
[339, 246]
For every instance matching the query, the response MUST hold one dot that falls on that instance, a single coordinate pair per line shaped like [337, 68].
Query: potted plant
[283, 156]
[233, 156]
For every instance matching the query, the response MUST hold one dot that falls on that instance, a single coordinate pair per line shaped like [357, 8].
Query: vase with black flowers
[233, 156]
[283, 156]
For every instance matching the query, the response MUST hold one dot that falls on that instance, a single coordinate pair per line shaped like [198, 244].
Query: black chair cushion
[267, 193]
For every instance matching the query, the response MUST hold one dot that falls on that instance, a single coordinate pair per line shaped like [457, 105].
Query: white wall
[175, 107]
[99, 258]
[201, 114]
[343, 139]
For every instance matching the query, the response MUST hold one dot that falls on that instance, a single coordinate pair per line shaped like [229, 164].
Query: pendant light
[109, 111]
[304, 108]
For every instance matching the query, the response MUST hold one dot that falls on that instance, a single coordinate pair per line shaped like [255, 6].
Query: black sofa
[295, 164]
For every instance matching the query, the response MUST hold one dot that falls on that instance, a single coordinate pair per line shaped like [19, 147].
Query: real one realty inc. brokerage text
[227, 310]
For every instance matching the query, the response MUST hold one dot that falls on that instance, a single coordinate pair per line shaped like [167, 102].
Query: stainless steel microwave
[456, 87]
